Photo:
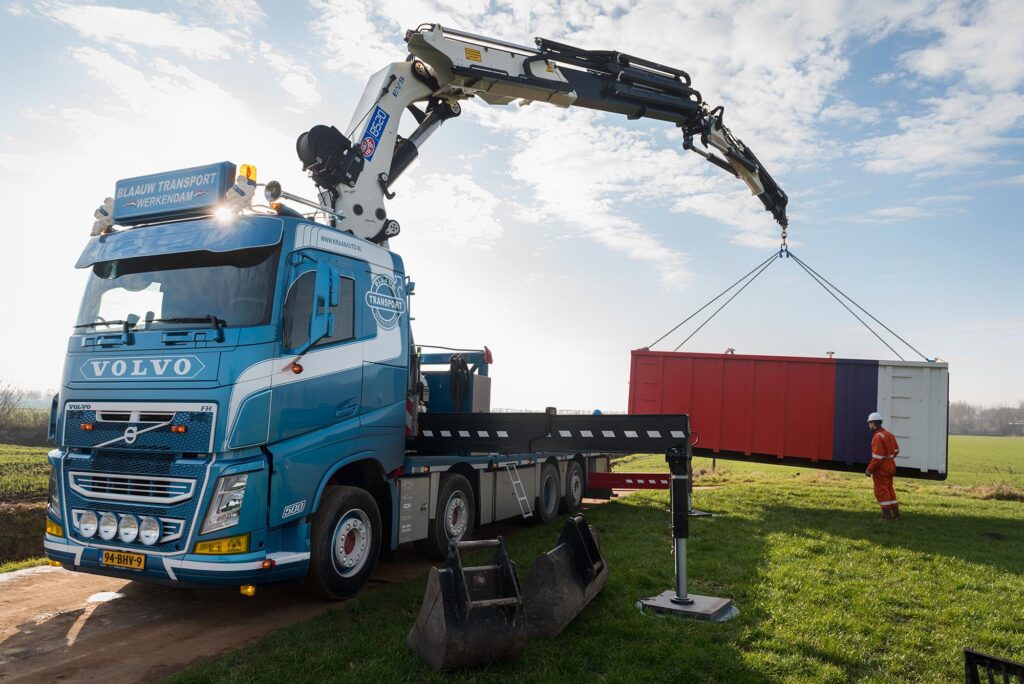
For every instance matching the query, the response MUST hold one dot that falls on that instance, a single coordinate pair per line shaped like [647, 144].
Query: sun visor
[208, 235]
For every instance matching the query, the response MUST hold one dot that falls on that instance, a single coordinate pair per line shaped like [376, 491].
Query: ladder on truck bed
[519, 490]
[526, 433]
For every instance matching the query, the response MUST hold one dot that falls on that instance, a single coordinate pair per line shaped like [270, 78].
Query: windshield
[230, 289]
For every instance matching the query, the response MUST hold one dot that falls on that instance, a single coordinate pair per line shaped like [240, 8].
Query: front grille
[149, 490]
[95, 481]
[146, 430]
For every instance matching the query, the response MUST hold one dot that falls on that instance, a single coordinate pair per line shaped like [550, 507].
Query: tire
[345, 543]
[574, 486]
[455, 516]
[549, 494]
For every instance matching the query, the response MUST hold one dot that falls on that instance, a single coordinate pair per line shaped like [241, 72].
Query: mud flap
[563, 581]
[470, 615]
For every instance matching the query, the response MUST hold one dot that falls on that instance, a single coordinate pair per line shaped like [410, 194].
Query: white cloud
[582, 173]
[127, 27]
[466, 217]
[976, 118]
[957, 132]
[894, 214]
[296, 79]
[845, 110]
[1009, 180]
[978, 41]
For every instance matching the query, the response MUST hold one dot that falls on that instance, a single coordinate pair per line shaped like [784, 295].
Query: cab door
[322, 335]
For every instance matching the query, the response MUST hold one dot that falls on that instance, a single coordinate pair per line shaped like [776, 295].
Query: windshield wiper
[109, 339]
[126, 324]
[215, 322]
[208, 318]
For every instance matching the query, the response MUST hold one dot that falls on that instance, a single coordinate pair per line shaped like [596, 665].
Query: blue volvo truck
[242, 401]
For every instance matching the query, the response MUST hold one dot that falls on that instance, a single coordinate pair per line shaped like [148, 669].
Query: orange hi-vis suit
[884, 450]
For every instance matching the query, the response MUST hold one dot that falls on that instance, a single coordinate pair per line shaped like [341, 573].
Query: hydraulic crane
[355, 173]
[224, 347]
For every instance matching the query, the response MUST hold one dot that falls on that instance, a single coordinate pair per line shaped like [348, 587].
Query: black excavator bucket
[470, 615]
[564, 580]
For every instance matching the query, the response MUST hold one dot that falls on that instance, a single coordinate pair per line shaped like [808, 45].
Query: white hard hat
[875, 417]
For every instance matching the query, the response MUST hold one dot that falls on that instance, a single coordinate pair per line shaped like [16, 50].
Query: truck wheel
[454, 518]
[346, 540]
[573, 487]
[549, 494]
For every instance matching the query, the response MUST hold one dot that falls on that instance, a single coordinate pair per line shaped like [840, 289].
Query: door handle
[346, 411]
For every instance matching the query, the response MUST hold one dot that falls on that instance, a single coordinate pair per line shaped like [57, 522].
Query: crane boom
[446, 66]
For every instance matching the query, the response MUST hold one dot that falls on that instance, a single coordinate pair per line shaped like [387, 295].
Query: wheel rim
[576, 487]
[456, 516]
[351, 543]
[550, 493]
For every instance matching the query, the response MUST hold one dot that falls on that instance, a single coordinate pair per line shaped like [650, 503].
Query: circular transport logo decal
[387, 300]
[367, 146]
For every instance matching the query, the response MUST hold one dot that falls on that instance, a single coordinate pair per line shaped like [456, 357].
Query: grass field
[827, 592]
[23, 476]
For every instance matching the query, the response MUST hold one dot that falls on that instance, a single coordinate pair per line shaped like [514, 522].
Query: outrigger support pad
[679, 601]
[470, 615]
[563, 581]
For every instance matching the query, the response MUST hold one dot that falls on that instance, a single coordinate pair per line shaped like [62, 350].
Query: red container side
[752, 405]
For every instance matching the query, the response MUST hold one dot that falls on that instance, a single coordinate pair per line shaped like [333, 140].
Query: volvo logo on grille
[143, 368]
[130, 434]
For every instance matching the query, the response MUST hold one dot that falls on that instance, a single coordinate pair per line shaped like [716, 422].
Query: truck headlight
[226, 506]
[54, 504]
[149, 530]
[87, 524]
[108, 526]
[128, 529]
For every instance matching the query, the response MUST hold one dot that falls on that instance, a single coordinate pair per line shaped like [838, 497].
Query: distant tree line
[20, 425]
[972, 419]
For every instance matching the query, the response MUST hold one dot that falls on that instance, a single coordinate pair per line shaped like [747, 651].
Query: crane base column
[679, 601]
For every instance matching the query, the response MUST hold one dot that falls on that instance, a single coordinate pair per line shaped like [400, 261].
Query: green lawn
[24, 473]
[827, 592]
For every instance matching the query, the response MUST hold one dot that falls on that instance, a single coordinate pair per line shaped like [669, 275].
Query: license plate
[119, 559]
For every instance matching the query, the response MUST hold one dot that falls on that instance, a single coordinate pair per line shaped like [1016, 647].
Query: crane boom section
[446, 66]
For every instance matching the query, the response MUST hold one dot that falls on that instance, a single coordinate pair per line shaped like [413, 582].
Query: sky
[564, 238]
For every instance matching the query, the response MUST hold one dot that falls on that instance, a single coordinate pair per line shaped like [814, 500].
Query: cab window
[298, 307]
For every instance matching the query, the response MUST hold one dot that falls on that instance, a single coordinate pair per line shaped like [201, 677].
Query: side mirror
[325, 295]
[51, 428]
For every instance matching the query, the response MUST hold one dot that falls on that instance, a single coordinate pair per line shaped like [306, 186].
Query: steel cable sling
[755, 272]
[825, 284]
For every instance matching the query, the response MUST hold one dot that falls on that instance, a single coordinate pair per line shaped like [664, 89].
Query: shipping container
[809, 412]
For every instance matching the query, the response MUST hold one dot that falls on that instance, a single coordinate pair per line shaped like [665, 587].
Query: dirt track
[69, 626]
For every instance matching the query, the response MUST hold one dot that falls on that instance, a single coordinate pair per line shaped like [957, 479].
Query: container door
[914, 398]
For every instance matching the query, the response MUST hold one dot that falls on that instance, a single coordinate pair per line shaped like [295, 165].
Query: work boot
[895, 511]
[886, 514]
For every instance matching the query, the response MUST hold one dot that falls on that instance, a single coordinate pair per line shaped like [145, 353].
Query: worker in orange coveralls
[882, 468]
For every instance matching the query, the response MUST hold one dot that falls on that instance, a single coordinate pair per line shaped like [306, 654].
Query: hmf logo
[178, 367]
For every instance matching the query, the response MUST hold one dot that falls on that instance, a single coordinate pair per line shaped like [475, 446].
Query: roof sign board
[172, 194]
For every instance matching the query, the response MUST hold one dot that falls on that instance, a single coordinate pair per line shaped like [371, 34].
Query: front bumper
[184, 569]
